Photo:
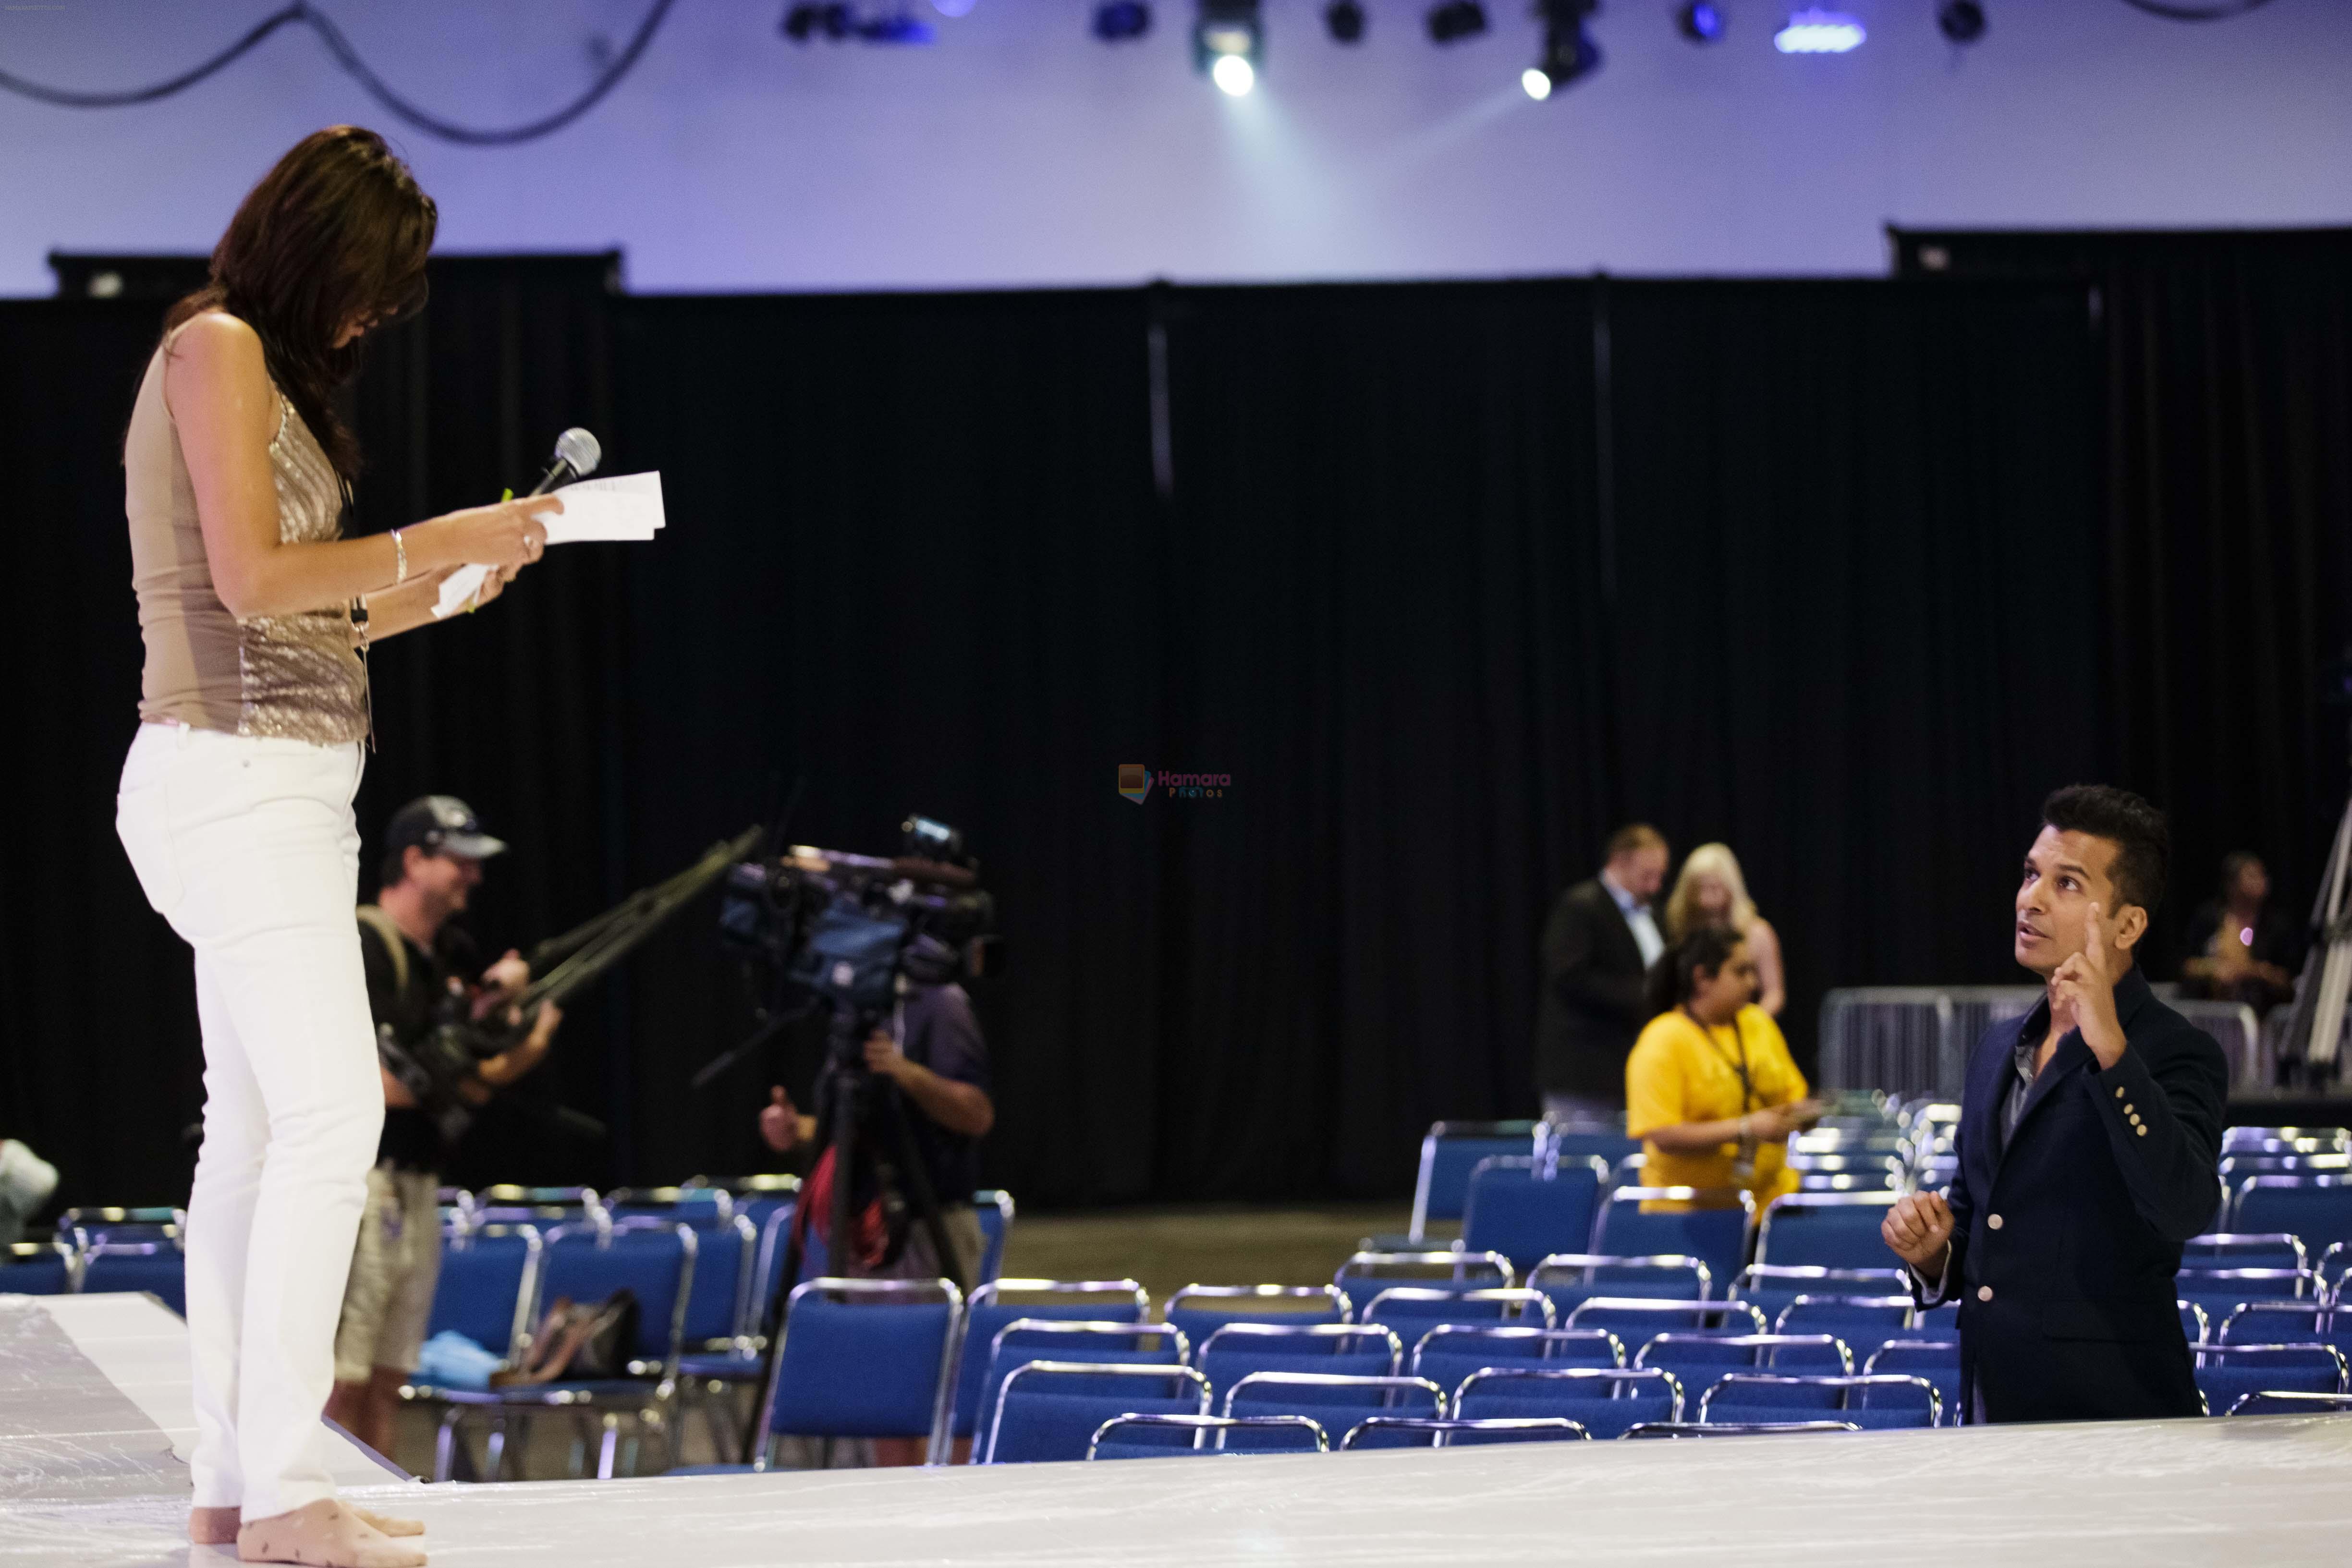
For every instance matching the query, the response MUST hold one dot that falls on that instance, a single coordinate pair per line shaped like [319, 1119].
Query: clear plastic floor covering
[93, 1404]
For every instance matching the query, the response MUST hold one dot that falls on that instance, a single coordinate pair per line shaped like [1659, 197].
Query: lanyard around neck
[1739, 1065]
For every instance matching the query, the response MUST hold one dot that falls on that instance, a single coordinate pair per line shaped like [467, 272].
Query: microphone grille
[579, 451]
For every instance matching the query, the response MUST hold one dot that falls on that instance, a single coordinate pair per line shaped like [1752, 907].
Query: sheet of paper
[625, 507]
[457, 589]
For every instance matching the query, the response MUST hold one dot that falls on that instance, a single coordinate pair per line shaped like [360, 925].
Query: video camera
[839, 929]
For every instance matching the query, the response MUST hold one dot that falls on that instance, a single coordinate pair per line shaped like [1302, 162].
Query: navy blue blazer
[2066, 1236]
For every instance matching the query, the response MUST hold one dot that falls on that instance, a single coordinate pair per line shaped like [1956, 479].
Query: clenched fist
[1919, 1229]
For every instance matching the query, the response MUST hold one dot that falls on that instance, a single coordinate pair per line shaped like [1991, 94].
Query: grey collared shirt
[1638, 920]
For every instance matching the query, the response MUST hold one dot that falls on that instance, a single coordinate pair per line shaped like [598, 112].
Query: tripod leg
[920, 1194]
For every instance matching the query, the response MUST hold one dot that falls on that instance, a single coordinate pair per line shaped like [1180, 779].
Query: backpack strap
[396, 945]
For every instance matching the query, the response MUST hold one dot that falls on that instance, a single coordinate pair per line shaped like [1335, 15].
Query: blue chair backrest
[1873, 1402]
[2318, 1209]
[1450, 1152]
[1826, 1229]
[1852, 1318]
[1527, 1209]
[1315, 1394]
[1048, 1410]
[1634, 1320]
[862, 1358]
[1592, 1143]
[2286, 1323]
[2221, 1291]
[1716, 1237]
[1366, 1274]
[1604, 1400]
[657, 1264]
[1452, 1351]
[987, 1312]
[2226, 1376]
[1415, 1309]
[1937, 1360]
[1234, 1351]
[1156, 1436]
[156, 1266]
[1696, 1360]
[1026, 1340]
[487, 1286]
[1571, 1278]
[38, 1268]
[724, 1249]
[1772, 1287]
[995, 1210]
[1201, 1310]
[2230, 1250]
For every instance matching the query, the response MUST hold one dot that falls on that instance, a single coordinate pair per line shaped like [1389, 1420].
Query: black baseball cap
[441, 825]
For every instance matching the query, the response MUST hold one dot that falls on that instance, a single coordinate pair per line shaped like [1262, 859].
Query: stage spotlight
[1227, 43]
[1451, 21]
[1818, 32]
[1117, 21]
[804, 22]
[897, 28]
[1345, 21]
[1699, 22]
[1569, 51]
[1962, 21]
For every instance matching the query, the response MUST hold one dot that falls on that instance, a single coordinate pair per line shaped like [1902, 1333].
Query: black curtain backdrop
[2226, 538]
[1447, 579]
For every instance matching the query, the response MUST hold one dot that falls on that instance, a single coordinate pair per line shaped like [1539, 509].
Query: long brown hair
[336, 232]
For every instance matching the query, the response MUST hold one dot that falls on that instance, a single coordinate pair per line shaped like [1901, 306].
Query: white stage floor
[2275, 1489]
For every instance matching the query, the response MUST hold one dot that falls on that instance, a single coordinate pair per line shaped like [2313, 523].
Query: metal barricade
[2239, 1033]
[1895, 1038]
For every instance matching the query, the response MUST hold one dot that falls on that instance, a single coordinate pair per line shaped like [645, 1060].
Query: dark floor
[1165, 1249]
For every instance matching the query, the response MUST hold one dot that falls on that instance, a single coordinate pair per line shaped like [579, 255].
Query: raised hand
[2083, 992]
[1918, 1230]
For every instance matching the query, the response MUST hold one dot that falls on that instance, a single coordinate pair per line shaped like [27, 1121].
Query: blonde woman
[1711, 891]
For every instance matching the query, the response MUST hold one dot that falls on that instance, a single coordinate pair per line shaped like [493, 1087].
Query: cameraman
[434, 850]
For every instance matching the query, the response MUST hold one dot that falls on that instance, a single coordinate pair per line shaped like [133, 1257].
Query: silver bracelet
[399, 559]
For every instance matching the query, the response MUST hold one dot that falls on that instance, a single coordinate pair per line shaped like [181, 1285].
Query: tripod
[854, 1097]
[2315, 1029]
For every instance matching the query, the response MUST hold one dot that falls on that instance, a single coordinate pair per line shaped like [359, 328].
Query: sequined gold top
[296, 676]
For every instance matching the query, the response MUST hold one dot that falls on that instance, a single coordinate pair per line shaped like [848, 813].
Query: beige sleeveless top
[296, 677]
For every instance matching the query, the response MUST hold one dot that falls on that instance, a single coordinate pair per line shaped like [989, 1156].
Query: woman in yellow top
[1710, 1087]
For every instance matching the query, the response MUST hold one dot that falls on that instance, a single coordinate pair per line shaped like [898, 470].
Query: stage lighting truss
[1569, 51]
[1451, 21]
[1228, 43]
[1121, 21]
[1813, 31]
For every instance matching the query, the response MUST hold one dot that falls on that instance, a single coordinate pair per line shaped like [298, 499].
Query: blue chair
[1772, 1287]
[2315, 1207]
[1876, 1402]
[2225, 1249]
[1277, 1435]
[862, 1358]
[2221, 1291]
[2227, 1373]
[1415, 1309]
[2237, 1141]
[1710, 1224]
[995, 1210]
[1452, 1351]
[1936, 1360]
[1696, 1360]
[1827, 1229]
[157, 1266]
[1606, 1401]
[1856, 1319]
[89, 1225]
[1571, 1278]
[1201, 1310]
[1367, 1273]
[1634, 1319]
[1317, 1393]
[1049, 1410]
[1439, 1432]
[2285, 1403]
[2288, 1322]
[1449, 1153]
[1357, 1350]
[1527, 1209]
[988, 1310]
[1066, 1341]
[40, 1269]
[488, 1282]
[586, 1261]
[1609, 1144]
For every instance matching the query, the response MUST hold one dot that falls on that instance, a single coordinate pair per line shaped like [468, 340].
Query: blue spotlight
[1121, 21]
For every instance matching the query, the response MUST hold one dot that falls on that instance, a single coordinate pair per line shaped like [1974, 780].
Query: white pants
[247, 847]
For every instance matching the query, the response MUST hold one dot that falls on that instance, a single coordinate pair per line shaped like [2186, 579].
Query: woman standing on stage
[236, 801]
[1711, 891]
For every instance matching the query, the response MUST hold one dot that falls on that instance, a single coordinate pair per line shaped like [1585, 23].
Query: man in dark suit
[1599, 942]
[2087, 1145]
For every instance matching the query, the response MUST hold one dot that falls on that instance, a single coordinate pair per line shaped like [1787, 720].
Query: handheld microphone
[576, 456]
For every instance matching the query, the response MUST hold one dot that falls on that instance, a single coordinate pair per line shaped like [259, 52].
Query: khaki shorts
[389, 1297]
[918, 1263]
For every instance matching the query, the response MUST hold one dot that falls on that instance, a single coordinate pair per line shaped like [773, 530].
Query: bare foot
[323, 1534]
[213, 1526]
[387, 1525]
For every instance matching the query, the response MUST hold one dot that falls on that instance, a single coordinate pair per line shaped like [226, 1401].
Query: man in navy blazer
[2087, 1145]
